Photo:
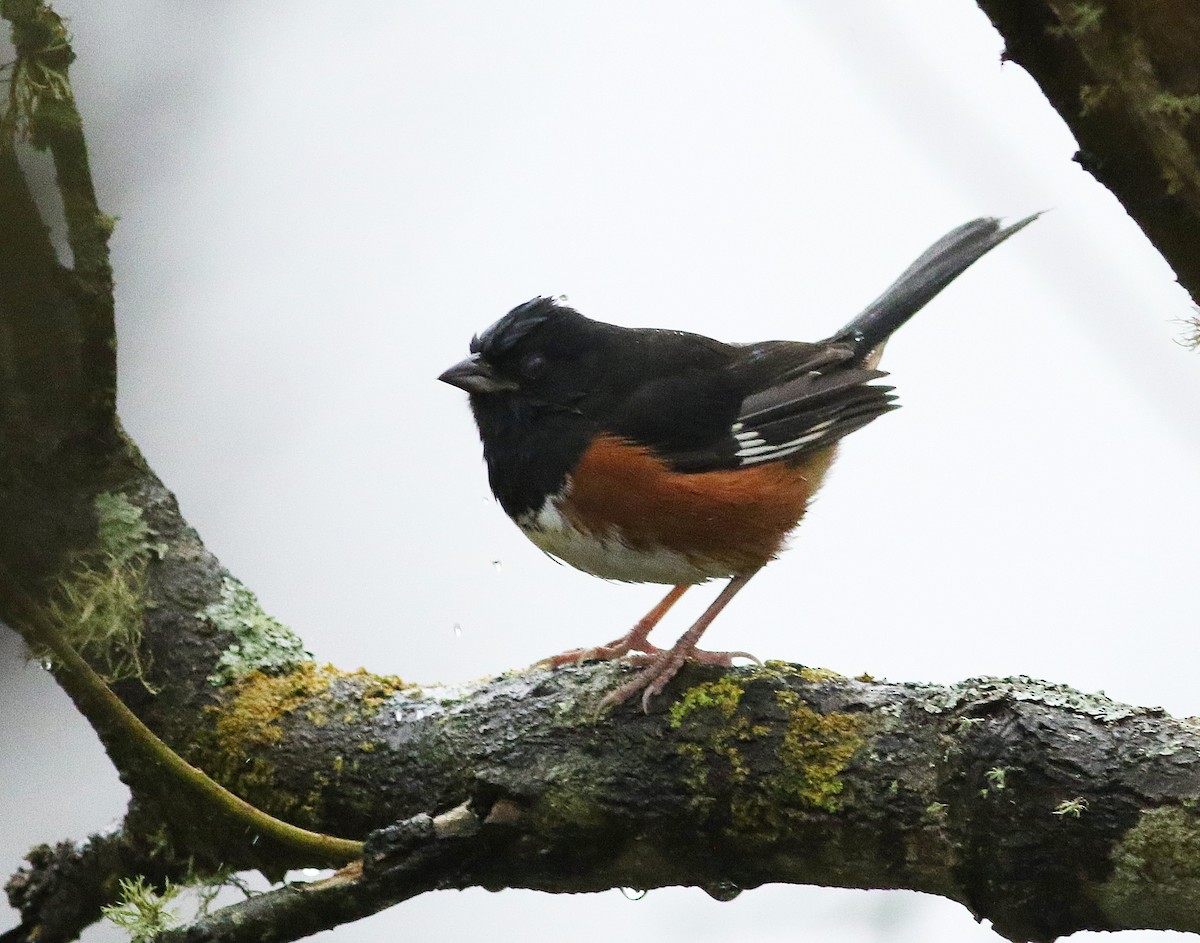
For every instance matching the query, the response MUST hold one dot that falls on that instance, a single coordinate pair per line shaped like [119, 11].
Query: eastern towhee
[655, 456]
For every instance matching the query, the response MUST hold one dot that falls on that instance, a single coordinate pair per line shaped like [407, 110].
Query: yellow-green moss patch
[815, 750]
[565, 808]
[1077, 19]
[818, 675]
[39, 99]
[723, 695]
[99, 600]
[260, 700]
[716, 740]
[713, 739]
[251, 720]
[1182, 108]
[251, 717]
[1156, 872]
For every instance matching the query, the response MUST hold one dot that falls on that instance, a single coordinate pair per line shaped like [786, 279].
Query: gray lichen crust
[261, 642]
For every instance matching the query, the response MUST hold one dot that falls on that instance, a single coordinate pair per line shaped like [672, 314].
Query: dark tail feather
[937, 267]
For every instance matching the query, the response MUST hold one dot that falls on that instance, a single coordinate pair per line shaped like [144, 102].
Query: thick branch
[1038, 808]
[1125, 76]
[401, 862]
[62, 890]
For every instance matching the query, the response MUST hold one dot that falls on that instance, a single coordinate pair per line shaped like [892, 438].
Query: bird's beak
[476, 376]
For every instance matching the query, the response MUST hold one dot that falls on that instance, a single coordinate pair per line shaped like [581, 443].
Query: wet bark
[1040, 809]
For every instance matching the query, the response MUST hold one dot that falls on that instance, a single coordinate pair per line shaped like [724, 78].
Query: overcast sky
[318, 209]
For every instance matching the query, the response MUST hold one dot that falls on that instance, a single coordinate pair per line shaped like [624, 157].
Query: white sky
[318, 210]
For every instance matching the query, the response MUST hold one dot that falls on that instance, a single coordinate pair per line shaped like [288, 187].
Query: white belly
[609, 556]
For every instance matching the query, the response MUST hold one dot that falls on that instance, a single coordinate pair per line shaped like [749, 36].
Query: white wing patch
[754, 448]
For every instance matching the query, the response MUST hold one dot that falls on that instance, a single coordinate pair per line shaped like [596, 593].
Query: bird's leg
[665, 664]
[632, 641]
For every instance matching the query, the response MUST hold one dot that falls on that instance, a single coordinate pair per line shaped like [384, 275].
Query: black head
[527, 375]
[533, 352]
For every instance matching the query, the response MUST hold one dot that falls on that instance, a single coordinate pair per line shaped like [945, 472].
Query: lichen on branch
[99, 598]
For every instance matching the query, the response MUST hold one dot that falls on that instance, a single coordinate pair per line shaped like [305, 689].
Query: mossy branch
[1039, 808]
[41, 110]
[126, 736]
[1122, 75]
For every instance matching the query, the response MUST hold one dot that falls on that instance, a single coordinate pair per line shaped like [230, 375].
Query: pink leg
[664, 665]
[633, 641]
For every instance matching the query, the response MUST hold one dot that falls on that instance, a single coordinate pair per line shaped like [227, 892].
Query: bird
[660, 456]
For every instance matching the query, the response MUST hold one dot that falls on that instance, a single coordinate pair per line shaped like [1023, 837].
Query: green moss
[312, 805]
[252, 719]
[1178, 107]
[141, 910]
[782, 671]
[563, 808]
[40, 100]
[106, 224]
[122, 532]
[716, 740]
[100, 595]
[1072, 807]
[249, 723]
[1078, 20]
[1156, 871]
[1091, 98]
[723, 695]
[815, 751]
[260, 642]
[820, 675]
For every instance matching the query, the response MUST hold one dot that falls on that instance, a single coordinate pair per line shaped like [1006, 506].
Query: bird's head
[531, 353]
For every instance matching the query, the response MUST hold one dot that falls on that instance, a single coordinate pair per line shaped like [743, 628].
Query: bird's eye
[532, 366]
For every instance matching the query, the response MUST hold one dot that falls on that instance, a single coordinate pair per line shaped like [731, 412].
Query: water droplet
[633, 893]
[723, 891]
[859, 337]
[46, 664]
[497, 565]
[457, 630]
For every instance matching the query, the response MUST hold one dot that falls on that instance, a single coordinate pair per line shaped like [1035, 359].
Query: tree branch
[136, 748]
[1041, 809]
[401, 861]
[62, 890]
[1123, 75]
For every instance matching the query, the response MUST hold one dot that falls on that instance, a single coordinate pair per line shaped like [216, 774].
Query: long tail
[937, 267]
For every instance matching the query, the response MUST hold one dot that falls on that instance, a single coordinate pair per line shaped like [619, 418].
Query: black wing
[715, 406]
[801, 399]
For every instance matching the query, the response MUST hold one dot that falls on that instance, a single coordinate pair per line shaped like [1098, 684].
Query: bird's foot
[701, 657]
[661, 667]
[614, 649]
